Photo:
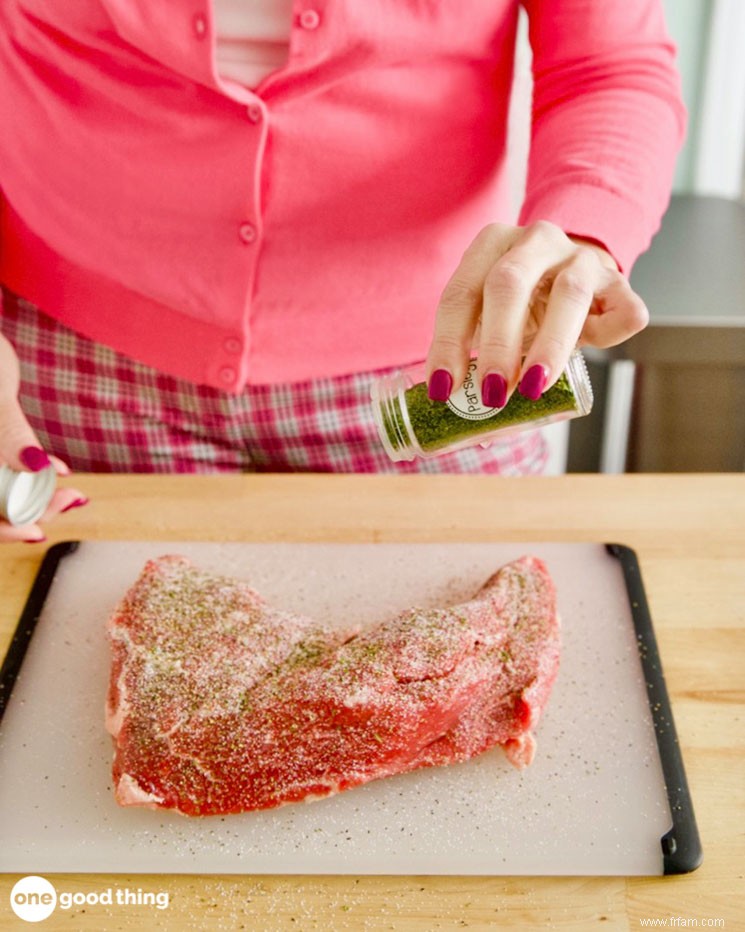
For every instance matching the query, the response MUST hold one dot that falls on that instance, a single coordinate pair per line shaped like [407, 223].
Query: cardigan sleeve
[608, 120]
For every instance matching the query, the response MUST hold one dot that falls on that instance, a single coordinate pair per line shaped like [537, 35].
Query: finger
[19, 445]
[459, 310]
[619, 314]
[569, 302]
[60, 466]
[62, 501]
[508, 291]
[30, 533]
[16, 435]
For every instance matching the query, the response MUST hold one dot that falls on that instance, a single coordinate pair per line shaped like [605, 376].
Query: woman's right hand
[20, 449]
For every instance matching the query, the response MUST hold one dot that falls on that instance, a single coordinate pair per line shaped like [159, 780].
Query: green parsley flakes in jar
[411, 425]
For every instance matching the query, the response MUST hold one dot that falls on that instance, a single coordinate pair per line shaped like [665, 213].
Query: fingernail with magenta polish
[494, 390]
[533, 382]
[440, 385]
[78, 503]
[34, 458]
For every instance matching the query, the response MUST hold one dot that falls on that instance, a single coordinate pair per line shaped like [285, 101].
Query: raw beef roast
[220, 703]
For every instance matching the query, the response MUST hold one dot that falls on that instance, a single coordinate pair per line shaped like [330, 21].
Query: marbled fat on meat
[220, 703]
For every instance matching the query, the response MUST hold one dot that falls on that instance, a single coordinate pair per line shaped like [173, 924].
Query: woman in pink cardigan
[220, 220]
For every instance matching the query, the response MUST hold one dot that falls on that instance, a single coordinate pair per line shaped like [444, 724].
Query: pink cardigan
[307, 229]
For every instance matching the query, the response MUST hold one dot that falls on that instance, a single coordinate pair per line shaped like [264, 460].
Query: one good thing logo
[35, 898]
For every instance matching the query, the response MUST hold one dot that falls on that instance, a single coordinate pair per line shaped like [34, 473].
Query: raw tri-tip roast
[220, 703]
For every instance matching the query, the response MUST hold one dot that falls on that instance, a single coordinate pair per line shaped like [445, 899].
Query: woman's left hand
[531, 290]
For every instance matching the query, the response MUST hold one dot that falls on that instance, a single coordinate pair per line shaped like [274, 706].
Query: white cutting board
[593, 802]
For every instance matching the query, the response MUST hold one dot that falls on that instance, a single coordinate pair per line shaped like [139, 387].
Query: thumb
[19, 445]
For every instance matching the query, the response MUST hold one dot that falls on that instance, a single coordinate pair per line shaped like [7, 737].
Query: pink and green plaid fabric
[103, 412]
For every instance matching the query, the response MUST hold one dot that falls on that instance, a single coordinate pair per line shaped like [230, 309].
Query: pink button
[309, 19]
[253, 111]
[247, 232]
[199, 25]
[227, 375]
[232, 345]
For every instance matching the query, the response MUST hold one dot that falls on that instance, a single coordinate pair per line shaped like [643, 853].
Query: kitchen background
[673, 398]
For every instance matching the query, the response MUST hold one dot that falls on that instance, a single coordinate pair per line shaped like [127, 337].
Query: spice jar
[410, 424]
[24, 496]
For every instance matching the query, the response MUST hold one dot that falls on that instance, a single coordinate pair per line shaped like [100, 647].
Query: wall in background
[688, 22]
[710, 35]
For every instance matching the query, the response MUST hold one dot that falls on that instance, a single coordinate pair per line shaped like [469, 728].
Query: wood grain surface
[689, 534]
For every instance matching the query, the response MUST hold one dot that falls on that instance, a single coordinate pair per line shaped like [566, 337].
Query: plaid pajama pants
[103, 412]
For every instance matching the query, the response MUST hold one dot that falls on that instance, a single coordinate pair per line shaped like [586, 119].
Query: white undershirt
[253, 38]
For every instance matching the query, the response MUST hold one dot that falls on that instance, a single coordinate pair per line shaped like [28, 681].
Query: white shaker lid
[25, 496]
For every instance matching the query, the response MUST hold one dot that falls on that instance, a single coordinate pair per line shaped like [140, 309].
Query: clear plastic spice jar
[410, 424]
[24, 496]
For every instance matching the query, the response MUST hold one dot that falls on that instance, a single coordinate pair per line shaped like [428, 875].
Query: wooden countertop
[689, 534]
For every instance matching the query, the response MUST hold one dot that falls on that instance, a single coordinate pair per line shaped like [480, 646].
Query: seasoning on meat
[220, 703]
